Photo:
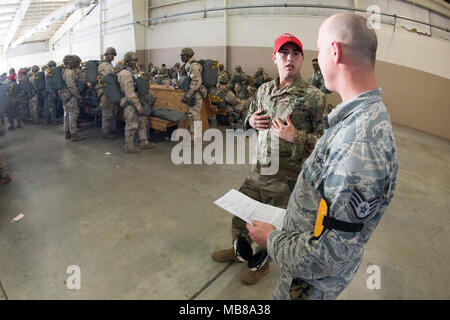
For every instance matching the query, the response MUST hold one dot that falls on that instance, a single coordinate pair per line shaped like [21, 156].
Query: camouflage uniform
[354, 166]
[260, 77]
[70, 97]
[51, 99]
[109, 109]
[34, 99]
[306, 106]
[24, 83]
[14, 110]
[194, 71]
[130, 103]
[317, 81]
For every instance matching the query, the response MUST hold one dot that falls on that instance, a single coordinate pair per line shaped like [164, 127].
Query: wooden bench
[171, 98]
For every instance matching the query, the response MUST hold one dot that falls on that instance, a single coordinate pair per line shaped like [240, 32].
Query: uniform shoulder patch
[361, 207]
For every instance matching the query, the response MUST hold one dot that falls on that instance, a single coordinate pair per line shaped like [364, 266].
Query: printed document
[248, 209]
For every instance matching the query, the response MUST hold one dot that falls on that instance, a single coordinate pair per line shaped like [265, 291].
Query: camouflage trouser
[109, 114]
[15, 112]
[2, 125]
[34, 108]
[3, 170]
[71, 113]
[267, 190]
[133, 123]
[194, 112]
[50, 104]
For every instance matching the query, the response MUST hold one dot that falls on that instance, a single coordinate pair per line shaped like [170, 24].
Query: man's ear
[336, 52]
[274, 58]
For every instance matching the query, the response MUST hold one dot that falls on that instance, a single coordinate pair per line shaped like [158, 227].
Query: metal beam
[20, 14]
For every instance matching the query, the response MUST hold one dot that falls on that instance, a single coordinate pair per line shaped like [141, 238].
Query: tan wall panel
[413, 98]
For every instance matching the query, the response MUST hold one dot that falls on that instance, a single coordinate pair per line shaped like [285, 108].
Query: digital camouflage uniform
[194, 71]
[109, 109]
[130, 104]
[354, 166]
[306, 106]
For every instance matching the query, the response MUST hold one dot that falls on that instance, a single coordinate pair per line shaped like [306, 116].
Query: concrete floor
[140, 227]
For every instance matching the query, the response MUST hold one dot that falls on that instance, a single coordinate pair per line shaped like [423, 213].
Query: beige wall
[414, 98]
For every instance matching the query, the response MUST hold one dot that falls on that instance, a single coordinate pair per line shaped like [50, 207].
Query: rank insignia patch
[361, 207]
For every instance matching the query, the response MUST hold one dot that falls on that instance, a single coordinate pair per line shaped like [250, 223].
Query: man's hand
[259, 120]
[259, 232]
[184, 99]
[285, 132]
[140, 110]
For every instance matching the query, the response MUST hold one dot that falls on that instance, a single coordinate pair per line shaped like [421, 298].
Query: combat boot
[146, 145]
[132, 150]
[67, 135]
[12, 127]
[252, 277]
[225, 255]
[75, 137]
[106, 135]
[5, 180]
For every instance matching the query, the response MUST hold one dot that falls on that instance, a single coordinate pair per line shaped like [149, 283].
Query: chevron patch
[361, 207]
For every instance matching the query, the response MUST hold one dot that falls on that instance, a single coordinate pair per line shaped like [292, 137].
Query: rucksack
[54, 79]
[111, 88]
[4, 98]
[25, 85]
[39, 81]
[217, 98]
[91, 71]
[141, 84]
[210, 74]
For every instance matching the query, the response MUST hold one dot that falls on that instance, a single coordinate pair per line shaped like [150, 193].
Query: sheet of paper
[248, 209]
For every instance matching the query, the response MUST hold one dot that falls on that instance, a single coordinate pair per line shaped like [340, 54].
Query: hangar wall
[412, 68]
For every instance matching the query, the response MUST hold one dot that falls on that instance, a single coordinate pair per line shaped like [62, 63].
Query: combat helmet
[35, 68]
[111, 50]
[223, 79]
[51, 64]
[130, 56]
[68, 59]
[76, 61]
[187, 51]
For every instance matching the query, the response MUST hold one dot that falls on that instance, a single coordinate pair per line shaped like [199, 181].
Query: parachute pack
[39, 81]
[25, 85]
[111, 88]
[210, 74]
[54, 80]
[141, 84]
[217, 98]
[91, 71]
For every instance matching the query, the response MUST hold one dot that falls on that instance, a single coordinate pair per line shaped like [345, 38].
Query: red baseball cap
[285, 38]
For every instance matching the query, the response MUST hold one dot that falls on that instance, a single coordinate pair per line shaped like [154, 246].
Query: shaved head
[352, 32]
